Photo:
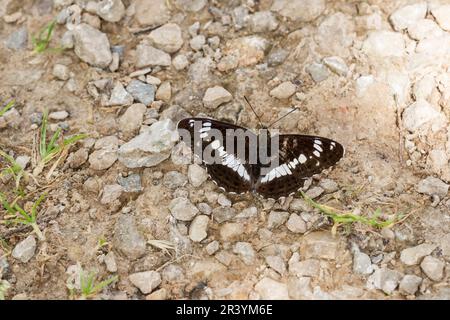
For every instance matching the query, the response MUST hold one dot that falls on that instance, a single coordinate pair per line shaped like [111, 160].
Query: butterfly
[298, 157]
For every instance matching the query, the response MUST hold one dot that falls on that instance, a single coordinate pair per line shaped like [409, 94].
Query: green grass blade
[7, 107]
[43, 138]
[51, 144]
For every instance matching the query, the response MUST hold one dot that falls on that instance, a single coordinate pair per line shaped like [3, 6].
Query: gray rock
[328, 185]
[110, 262]
[307, 268]
[23, 161]
[174, 180]
[222, 214]
[198, 228]
[276, 263]
[92, 46]
[131, 120]
[299, 205]
[336, 34]
[269, 289]
[317, 71]
[164, 92]
[385, 279]
[247, 213]
[413, 256]
[410, 284]
[433, 186]
[204, 208]
[276, 219]
[223, 200]
[433, 268]
[336, 65]
[142, 92]
[409, 15]
[284, 90]
[362, 84]
[128, 239]
[111, 10]
[120, 96]
[299, 288]
[145, 281]
[299, 10]
[215, 96]
[197, 175]
[148, 56]
[67, 40]
[245, 252]
[151, 13]
[200, 72]
[131, 183]
[424, 28]
[111, 192]
[191, 5]
[362, 263]
[105, 153]
[296, 224]
[231, 231]
[18, 39]
[224, 257]
[151, 147]
[182, 209]
[61, 72]
[277, 57]
[167, 38]
[263, 21]
[25, 249]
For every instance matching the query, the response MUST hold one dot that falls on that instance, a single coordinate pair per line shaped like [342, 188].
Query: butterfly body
[271, 165]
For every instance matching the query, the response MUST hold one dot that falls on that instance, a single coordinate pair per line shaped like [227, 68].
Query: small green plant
[4, 286]
[18, 215]
[8, 106]
[340, 217]
[42, 40]
[50, 150]
[13, 170]
[84, 285]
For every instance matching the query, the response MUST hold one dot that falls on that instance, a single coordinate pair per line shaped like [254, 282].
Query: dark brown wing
[232, 174]
[300, 157]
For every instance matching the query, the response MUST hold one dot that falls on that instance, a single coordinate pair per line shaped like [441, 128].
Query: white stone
[413, 256]
[442, 15]
[382, 44]
[424, 87]
[433, 268]
[336, 65]
[197, 42]
[198, 228]
[420, 113]
[270, 289]
[25, 249]
[197, 175]
[180, 62]
[424, 28]
[182, 209]
[433, 186]
[363, 83]
[92, 46]
[146, 281]
[299, 10]
[406, 16]
[148, 56]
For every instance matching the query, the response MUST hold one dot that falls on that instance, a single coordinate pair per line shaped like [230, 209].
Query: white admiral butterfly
[299, 157]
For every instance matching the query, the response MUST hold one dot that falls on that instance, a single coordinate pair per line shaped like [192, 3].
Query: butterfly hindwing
[300, 157]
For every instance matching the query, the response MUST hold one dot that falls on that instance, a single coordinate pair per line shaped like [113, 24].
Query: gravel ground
[125, 205]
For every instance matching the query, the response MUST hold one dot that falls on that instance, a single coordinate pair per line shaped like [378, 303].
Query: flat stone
[299, 10]
[408, 15]
[410, 284]
[167, 38]
[92, 46]
[420, 113]
[151, 147]
[198, 228]
[212, 247]
[142, 92]
[215, 96]
[307, 268]
[245, 252]
[320, 245]
[180, 62]
[385, 279]
[382, 44]
[283, 90]
[362, 263]
[433, 268]
[263, 21]
[276, 219]
[317, 71]
[231, 231]
[111, 192]
[433, 186]
[296, 224]
[25, 249]
[145, 281]
[182, 209]
[120, 96]
[442, 15]
[276, 263]
[222, 214]
[151, 13]
[111, 10]
[61, 72]
[148, 56]
[269, 289]
[17, 40]
[197, 175]
[130, 183]
[105, 153]
[128, 239]
[58, 115]
[413, 256]
[197, 42]
[110, 262]
[336, 65]
[131, 120]
[424, 28]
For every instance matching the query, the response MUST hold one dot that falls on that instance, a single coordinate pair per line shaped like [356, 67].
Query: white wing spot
[302, 158]
[316, 153]
[316, 141]
[318, 148]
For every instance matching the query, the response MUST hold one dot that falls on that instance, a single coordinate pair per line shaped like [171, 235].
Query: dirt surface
[387, 102]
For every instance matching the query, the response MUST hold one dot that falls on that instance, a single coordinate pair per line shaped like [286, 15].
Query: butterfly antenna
[295, 109]
[257, 116]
